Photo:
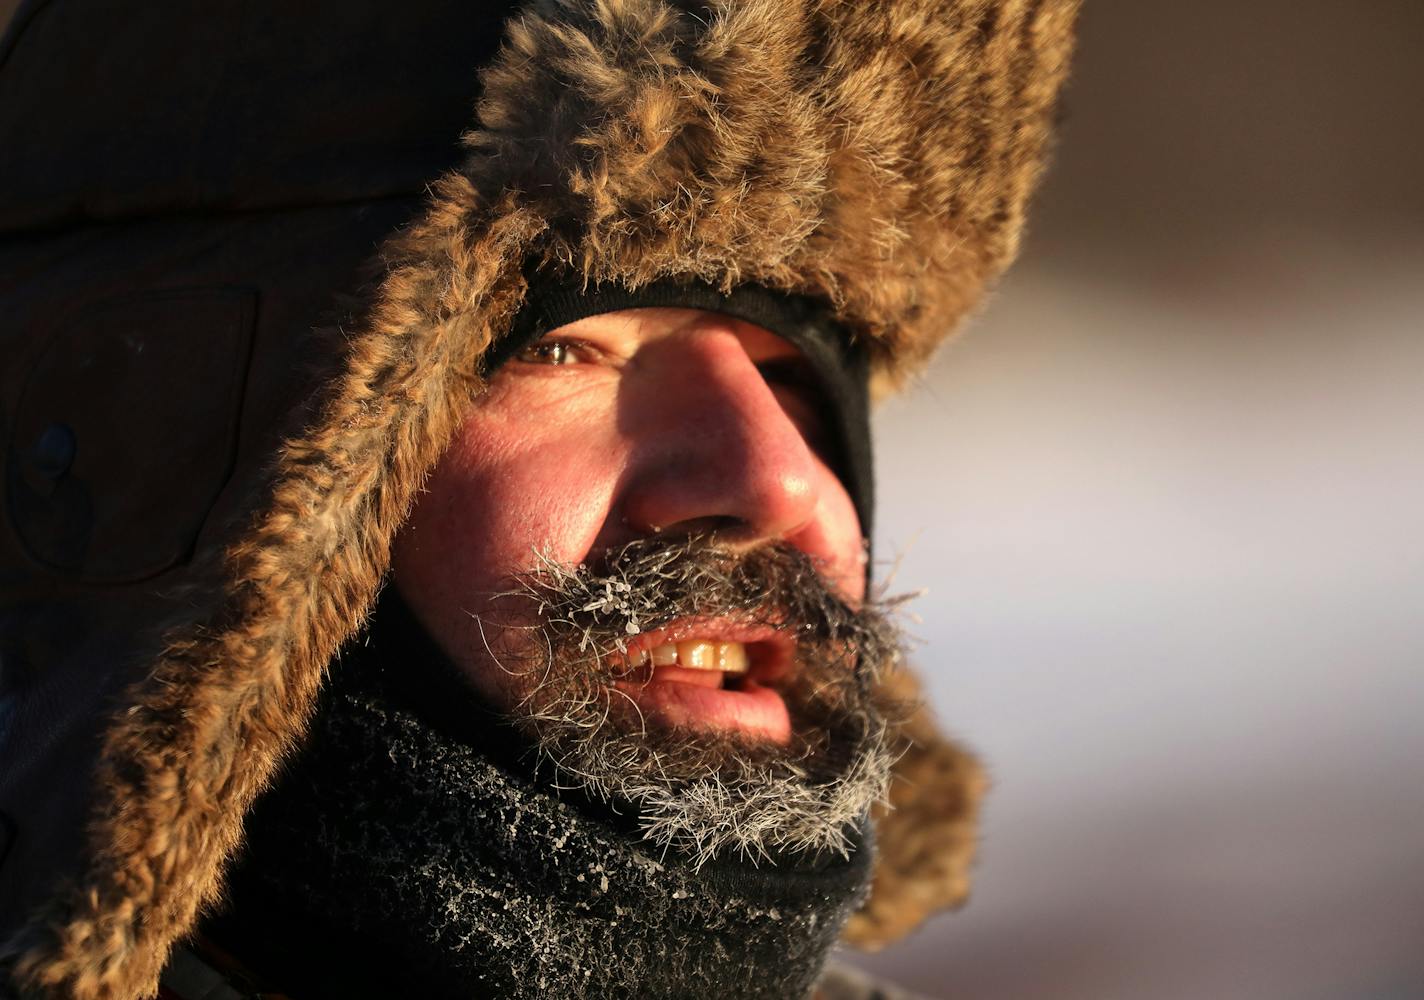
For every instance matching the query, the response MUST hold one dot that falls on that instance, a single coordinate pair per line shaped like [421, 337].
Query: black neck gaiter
[398, 857]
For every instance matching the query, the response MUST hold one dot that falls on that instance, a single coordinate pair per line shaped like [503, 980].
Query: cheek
[504, 490]
[497, 508]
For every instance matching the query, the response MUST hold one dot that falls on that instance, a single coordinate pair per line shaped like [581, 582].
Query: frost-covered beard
[408, 849]
[702, 793]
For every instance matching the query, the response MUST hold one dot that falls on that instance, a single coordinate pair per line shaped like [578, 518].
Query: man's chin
[749, 712]
[704, 772]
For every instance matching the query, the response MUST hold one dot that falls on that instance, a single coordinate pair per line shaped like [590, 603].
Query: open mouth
[712, 676]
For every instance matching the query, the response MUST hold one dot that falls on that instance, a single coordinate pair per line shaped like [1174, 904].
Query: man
[598, 418]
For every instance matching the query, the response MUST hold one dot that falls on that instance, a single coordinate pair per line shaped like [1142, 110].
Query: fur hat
[877, 157]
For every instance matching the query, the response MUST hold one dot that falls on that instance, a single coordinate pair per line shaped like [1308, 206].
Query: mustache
[591, 612]
[705, 794]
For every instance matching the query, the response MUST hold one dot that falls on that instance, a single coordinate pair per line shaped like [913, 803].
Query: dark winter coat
[185, 192]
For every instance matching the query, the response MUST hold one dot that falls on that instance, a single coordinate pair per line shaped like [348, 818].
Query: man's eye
[554, 352]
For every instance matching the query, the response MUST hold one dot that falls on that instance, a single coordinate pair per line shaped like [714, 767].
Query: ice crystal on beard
[698, 793]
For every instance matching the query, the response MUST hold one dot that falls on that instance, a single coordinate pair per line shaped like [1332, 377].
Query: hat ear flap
[927, 835]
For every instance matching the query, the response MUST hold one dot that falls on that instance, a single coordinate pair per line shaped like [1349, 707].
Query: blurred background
[1166, 498]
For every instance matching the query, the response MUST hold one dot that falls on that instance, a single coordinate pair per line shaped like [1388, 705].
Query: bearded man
[510, 634]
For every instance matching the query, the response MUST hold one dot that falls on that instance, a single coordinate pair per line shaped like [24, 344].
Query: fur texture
[926, 834]
[878, 155]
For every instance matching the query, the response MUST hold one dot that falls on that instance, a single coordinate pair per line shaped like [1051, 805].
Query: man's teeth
[697, 654]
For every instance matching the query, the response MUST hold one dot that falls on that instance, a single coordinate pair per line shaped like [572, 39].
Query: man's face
[635, 547]
[628, 425]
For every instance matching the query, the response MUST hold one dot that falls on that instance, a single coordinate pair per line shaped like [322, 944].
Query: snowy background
[1167, 497]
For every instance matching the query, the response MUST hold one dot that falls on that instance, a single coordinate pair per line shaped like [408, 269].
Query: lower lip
[672, 698]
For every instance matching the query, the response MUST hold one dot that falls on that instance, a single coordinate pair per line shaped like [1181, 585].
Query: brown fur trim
[927, 835]
[229, 699]
[878, 155]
